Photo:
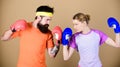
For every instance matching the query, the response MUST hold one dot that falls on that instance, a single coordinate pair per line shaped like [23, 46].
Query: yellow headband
[49, 14]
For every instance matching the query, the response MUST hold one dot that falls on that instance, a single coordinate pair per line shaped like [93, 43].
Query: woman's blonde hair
[82, 17]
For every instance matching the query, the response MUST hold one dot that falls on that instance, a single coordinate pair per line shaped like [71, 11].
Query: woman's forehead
[75, 21]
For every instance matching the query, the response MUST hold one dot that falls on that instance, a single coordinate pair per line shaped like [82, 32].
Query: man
[35, 37]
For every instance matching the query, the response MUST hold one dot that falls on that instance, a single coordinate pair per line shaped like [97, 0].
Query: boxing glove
[113, 23]
[57, 33]
[18, 25]
[67, 33]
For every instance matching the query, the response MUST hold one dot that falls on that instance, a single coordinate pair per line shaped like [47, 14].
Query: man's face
[44, 20]
[43, 24]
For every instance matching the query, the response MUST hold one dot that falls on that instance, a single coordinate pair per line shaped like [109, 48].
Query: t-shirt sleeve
[15, 34]
[103, 36]
[72, 42]
[50, 43]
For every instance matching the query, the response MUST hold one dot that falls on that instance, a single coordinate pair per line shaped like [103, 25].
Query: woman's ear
[84, 22]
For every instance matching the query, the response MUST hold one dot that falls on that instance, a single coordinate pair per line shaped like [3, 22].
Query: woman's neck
[86, 30]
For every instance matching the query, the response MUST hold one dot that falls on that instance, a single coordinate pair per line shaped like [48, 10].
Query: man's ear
[39, 17]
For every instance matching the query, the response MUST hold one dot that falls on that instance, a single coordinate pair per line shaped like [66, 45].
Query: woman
[87, 41]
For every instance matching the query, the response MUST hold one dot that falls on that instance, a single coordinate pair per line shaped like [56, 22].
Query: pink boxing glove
[57, 31]
[18, 25]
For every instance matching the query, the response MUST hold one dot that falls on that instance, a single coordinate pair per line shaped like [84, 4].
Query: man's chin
[43, 28]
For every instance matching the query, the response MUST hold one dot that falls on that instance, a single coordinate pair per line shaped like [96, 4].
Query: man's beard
[43, 28]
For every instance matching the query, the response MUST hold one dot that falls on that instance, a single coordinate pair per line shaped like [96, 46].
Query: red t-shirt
[32, 46]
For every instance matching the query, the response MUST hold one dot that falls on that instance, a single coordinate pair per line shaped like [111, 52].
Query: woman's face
[78, 26]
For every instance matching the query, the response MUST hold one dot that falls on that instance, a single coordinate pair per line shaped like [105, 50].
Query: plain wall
[99, 10]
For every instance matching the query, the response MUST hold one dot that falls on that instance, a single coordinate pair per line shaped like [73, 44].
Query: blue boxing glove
[66, 34]
[113, 23]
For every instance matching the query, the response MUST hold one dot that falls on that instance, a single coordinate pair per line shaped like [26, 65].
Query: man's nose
[47, 22]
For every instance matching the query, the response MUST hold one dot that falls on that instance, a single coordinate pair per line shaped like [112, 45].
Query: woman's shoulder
[97, 31]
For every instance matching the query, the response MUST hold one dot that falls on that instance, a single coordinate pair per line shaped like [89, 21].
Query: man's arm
[6, 36]
[57, 35]
[53, 51]
[17, 26]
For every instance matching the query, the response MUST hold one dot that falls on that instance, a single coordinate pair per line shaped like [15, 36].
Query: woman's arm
[67, 52]
[113, 43]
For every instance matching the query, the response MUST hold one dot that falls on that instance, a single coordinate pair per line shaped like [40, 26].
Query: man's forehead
[46, 17]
